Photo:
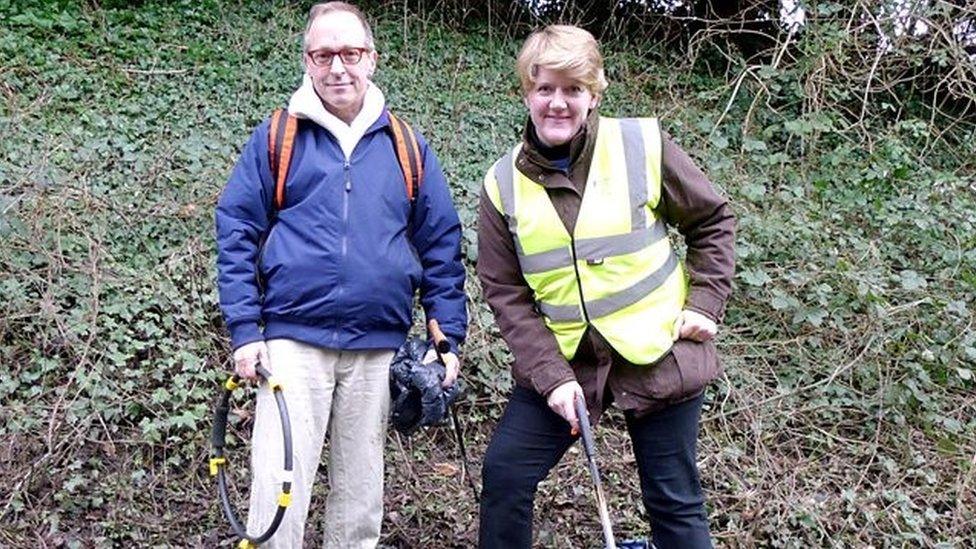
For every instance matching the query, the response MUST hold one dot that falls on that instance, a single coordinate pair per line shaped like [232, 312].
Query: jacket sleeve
[538, 362]
[437, 239]
[691, 204]
[242, 217]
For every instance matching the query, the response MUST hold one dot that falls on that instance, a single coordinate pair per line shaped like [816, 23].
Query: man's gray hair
[319, 10]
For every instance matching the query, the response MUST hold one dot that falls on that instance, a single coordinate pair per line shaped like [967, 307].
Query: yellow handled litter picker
[218, 462]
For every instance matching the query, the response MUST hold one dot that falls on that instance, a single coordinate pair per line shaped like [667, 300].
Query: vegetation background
[846, 417]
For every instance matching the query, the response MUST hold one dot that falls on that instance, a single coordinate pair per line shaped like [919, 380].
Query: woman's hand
[694, 326]
[562, 401]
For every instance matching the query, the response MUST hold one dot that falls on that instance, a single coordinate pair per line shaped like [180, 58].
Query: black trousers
[530, 439]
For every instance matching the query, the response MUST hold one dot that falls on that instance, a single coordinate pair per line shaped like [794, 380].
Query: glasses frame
[346, 56]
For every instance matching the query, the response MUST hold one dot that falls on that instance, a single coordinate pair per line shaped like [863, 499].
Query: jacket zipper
[343, 247]
[345, 207]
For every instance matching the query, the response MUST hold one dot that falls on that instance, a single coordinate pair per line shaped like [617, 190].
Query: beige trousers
[344, 393]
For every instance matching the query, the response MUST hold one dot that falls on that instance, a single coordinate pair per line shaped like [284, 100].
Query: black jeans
[530, 439]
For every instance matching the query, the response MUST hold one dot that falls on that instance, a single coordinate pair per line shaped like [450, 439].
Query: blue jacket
[339, 264]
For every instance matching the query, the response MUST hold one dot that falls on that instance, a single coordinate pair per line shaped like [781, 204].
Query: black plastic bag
[417, 398]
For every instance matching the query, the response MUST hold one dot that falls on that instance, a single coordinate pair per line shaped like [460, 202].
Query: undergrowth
[846, 416]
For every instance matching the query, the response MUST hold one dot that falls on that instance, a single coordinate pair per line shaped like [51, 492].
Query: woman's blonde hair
[564, 48]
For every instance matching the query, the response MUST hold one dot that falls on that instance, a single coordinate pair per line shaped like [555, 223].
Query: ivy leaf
[756, 277]
[720, 141]
[782, 301]
[957, 307]
[911, 280]
[754, 191]
[751, 145]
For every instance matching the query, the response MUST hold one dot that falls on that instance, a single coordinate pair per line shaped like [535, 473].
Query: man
[320, 289]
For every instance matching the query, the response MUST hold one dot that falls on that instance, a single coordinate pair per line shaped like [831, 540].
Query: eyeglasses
[349, 56]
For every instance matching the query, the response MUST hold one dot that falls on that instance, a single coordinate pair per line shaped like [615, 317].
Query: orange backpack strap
[281, 142]
[408, 155]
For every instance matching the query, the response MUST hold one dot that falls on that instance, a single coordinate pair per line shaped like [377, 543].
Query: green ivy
[849, 339]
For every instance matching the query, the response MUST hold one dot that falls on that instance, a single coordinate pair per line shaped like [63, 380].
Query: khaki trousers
[344, 393]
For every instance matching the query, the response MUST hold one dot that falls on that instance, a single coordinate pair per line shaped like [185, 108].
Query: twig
[735, 91]
[131, 70]
[776, 61]
[803, 389]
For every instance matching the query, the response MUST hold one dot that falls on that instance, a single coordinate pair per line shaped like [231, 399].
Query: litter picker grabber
[586, 434]
[218, 462]
[441, 346]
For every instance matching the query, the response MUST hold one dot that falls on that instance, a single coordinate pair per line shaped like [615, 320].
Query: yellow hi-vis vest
[617, 271]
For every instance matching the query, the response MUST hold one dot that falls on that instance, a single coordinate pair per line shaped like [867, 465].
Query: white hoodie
[305, 103]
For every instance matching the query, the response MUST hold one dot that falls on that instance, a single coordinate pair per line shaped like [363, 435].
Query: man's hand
[562, 401]
[246, 357]
[452, 365]
[694, 326]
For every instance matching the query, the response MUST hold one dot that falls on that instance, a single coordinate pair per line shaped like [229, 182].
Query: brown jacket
[688, 203]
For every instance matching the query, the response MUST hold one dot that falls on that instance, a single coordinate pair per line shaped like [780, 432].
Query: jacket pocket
[684, 371]
[663, 382]
[697, 364]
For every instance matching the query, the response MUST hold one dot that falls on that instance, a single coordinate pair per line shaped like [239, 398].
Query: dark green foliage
[847, 414]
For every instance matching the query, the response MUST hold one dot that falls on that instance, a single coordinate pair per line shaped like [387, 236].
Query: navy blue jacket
[339, 264]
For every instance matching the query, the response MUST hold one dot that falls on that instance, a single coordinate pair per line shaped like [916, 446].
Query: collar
[306, 103]
[534, 164]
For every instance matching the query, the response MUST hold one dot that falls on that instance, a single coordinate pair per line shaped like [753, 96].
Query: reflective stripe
[561, 313]
[506, 185]
[620, 244]
[594, 249]
[545, 261]
[506, 193]
[602, 307]
[611, 304]
[636, 170]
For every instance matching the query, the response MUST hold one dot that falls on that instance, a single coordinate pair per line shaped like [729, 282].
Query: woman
[575, 263]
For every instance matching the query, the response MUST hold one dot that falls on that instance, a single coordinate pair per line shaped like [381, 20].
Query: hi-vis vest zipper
[617, 271]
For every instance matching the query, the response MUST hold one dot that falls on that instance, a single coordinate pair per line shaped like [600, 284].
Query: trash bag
[417, 398]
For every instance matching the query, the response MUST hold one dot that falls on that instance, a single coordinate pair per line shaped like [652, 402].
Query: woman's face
[558, 106]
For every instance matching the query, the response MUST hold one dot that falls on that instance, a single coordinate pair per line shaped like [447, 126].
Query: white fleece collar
[305, 103]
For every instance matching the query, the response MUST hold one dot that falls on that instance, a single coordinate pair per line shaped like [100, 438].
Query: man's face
[341, 84]
[558, 106]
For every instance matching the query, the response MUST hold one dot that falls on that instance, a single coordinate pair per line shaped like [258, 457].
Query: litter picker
[586, 433]
[218, 462]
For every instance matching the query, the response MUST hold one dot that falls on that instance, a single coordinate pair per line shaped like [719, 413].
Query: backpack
[281, 139]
